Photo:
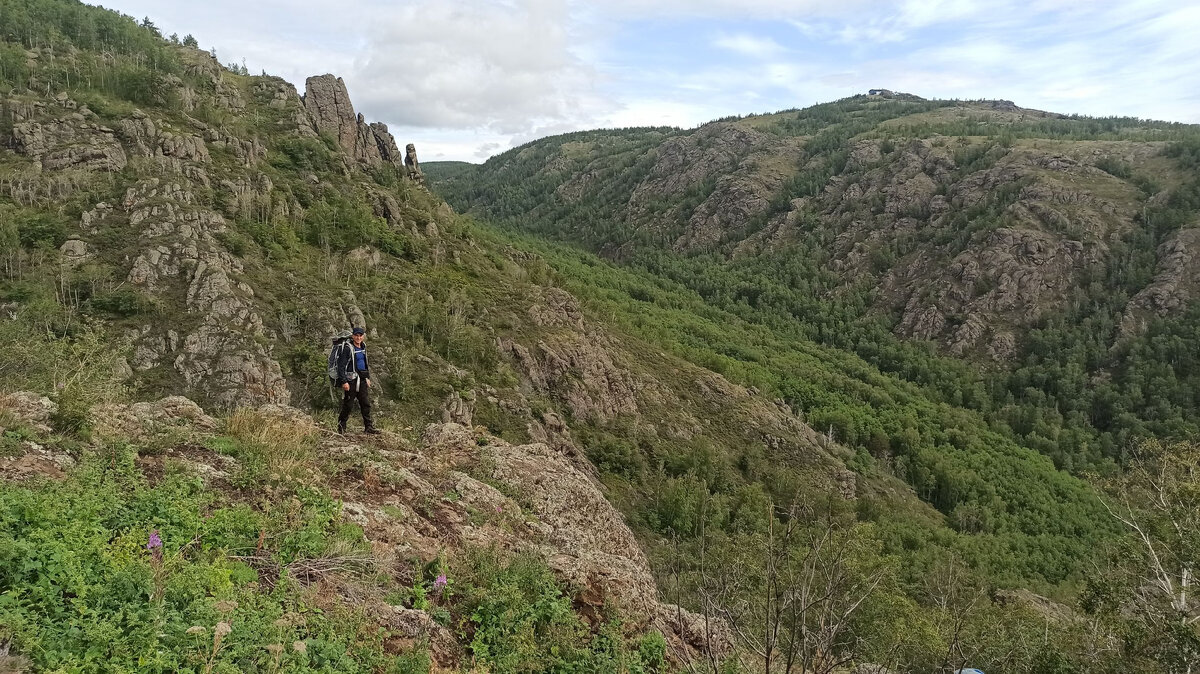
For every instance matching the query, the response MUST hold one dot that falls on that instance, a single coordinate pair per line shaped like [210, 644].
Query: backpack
[339, 343]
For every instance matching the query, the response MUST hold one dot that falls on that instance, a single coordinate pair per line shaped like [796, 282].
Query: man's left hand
[368, 383]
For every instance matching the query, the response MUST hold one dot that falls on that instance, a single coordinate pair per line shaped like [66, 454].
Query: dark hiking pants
[358, 391]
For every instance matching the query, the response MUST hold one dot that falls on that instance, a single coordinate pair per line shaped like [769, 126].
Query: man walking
[354, 376]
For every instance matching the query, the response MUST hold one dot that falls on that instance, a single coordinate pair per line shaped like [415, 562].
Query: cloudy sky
[465, 79]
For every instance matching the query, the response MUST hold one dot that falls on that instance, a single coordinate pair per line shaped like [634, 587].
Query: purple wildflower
[154, 542]
[440, 583]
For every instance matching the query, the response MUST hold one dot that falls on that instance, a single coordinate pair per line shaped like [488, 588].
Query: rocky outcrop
[1015, 276]
[738, 197]
[385, 143]
[138, 421]
[682, 163]
[1176, 282]
[29, 408]
[328, 105]
[581, 535]
[458, 408]
[74, 252]
[67, 143]
[577, 365]
[411, 164]
[220, 356]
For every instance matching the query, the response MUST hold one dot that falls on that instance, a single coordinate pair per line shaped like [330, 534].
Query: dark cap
[359, 331]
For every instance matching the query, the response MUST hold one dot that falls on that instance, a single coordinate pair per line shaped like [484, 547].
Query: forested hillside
[634, 466]
[1010, 278]
[1056, 255]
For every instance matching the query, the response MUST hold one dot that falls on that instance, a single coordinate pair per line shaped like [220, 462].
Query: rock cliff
[328, 106]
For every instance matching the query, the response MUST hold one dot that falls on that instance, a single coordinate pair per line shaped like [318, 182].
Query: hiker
[354, 376]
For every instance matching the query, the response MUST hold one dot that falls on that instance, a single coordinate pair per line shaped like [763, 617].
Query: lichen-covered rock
[29, 409]
[587, 543]
[74, 252]
[230, 367]
[137, 421]
[220, 357]
[70, 143]
[329, 108]
[411, 164]
[184, 146]
[458, 408]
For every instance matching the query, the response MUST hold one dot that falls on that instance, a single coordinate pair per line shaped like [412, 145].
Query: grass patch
[270, 446]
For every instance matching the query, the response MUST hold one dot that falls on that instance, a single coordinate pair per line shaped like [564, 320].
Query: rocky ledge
[454, 489]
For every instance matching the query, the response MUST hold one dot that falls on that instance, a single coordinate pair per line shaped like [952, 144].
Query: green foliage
[1142, 594]
[35, 228]
[341, 223]
[520, 620]
[77, 371]
[80, 590]
[124, 302]
[302, 154]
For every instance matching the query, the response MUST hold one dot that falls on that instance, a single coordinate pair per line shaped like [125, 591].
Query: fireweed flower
[440, 583]
[154, 542]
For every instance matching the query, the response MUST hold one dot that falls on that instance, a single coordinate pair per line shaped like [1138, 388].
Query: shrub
[522, 621]
[102, 572]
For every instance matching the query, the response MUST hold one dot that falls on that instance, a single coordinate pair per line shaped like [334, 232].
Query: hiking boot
[372, 431]
[341, 429]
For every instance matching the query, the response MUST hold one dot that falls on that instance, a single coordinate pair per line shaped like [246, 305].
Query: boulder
[140, 421]
[74, 252]
[29, 409]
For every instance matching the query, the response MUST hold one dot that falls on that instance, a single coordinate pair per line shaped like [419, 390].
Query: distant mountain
[1061, 254]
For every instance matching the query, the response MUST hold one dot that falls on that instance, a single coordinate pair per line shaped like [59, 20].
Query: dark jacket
[346, 371]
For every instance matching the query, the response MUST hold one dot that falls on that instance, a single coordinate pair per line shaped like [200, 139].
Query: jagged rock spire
[328, 105]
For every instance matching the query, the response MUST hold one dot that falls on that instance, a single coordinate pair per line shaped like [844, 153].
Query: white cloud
[750, 45]
[503, 66]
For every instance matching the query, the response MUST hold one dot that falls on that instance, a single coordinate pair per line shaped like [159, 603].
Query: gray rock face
[1012, 278]
[328, 105]
[70, 143]
[220, 356]
[148, 139]
[578, 366]
[231, 367]
[735, 200]
[385, 143]
[1176, 282]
